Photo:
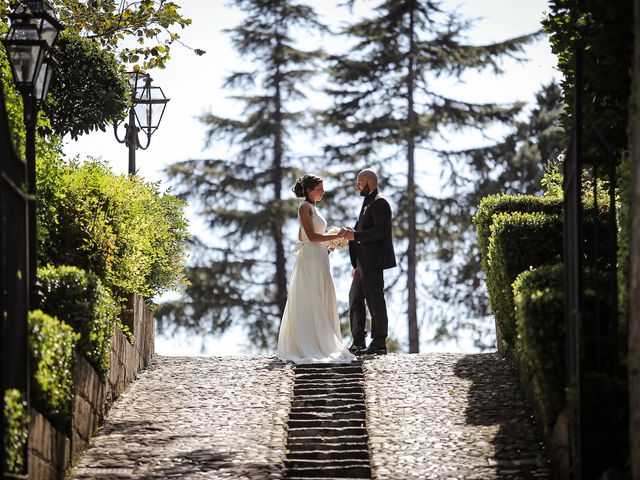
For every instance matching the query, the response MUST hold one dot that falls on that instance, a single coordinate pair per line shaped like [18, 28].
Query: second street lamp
[145, 113]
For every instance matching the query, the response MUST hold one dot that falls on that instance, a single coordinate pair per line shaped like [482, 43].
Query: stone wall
[51, 451]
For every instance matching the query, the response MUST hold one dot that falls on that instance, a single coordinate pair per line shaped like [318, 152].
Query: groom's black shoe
[376, 349]
[357, 348]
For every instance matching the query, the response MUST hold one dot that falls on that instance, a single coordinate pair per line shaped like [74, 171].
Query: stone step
[327, 444]
[320, 377]
[327, 432]
[330, 471]
[300, 370]
[323, 478]
[329, 375]
[326, 423]
[353, 454]
[326, 390]
[329, 415]
[329, 382]
[329, 395]
[342, 407]
[328, 366]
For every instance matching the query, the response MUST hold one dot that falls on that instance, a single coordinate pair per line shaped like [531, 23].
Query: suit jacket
[373, 245]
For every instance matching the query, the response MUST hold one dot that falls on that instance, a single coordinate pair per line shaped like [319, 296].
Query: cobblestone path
[196, 418]
[440, 416]
[446, 416]
[327, 424]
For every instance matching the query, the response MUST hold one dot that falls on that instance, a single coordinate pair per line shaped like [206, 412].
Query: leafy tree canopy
[151, 25]
[88, 91]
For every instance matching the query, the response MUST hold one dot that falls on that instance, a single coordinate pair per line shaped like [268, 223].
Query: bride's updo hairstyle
[305, 184]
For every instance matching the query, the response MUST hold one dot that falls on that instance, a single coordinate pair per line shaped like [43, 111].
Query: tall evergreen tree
[515, 166]
[387, 106]
[245, 200]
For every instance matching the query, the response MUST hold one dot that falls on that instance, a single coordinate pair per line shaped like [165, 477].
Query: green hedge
[51, 345]
[518, 242]
[17, 430]
[540, 312]
[79, 299]
[121, 228]
[502, 203]
[540, 309]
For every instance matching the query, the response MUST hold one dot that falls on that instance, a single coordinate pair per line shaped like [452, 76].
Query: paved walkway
[196, 418]
[441, 416]
[449, 416]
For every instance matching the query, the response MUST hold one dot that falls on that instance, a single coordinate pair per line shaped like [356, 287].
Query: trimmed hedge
[17, 430]
[503, 203]
[540, 309]
[518, 242]
[51, 345]
[79, 299]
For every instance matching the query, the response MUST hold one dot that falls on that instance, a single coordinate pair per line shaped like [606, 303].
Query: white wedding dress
[310, 328]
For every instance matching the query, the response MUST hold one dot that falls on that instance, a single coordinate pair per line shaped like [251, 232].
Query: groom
[371, 251]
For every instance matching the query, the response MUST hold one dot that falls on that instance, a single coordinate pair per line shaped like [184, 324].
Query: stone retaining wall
[50, 451]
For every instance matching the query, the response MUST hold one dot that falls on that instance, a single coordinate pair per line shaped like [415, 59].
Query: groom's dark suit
[371, 252]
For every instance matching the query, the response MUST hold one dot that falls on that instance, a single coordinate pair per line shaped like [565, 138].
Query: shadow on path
[495, 398]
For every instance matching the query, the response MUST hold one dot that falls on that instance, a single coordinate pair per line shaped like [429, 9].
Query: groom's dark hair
[305, 184]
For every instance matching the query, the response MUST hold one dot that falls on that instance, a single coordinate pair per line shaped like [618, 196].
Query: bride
[310, 328]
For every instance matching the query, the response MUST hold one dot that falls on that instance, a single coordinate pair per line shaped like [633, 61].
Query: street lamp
[34, 29]
[146, 110]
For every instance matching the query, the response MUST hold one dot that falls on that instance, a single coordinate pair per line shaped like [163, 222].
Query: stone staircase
[327, 432]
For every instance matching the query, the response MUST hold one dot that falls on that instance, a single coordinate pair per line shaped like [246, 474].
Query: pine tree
[387, 108]
[516, 165]
[245, 200]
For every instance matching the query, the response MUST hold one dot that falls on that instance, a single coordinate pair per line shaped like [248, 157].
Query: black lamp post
[34, 29]
[146, 110]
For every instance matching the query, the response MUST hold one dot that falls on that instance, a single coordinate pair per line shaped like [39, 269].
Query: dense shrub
[501, 203]
[540, 323]
[88, 91]
[51, 345]
[17, 430]
[121, 228]
[79, 299]
[541, 345]
[518, 242]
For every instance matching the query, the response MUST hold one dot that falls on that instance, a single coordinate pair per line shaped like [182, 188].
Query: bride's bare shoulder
[304, 208]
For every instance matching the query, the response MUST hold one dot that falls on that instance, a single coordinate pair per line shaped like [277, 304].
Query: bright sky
[194, 86]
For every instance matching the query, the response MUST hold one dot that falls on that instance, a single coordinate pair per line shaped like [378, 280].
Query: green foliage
[519, 241]
[501, 203]
[605, 30]
[88, 91]
[17, 430]
[121, 228]
[151, 25]
[541, 344]
[540, 323]
[79, 299]
[51, 345]
[552, 178]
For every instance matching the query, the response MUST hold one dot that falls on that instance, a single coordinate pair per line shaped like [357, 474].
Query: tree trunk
[276, 178]
[414, 334]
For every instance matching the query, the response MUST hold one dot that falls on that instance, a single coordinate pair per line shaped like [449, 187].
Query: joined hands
[347, 232]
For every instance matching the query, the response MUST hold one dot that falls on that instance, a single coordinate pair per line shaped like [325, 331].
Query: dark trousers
[368, 286]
